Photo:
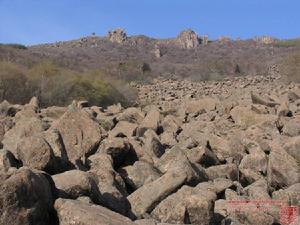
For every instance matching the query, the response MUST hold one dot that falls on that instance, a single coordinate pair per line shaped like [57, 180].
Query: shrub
[13, 83]
[290, 68]
[16, 46]
[54, 85]
[288, 43]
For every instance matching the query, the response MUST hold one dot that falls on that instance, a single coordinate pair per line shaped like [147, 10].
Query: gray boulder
[26, 197]
[75, 183]
[139, 174]
[187, 206]
[72, 212]
[81, 135]
[151, 121]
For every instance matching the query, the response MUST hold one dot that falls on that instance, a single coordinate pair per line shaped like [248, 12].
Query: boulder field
[184, 155]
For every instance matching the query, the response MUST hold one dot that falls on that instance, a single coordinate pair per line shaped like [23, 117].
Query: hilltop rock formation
[157, 52]
[117, 36]
[265, 40]
[224, 39]
[191, 153]
[188, 39]
[205, 40]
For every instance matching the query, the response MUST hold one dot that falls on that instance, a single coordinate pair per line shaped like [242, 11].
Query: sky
[43, 21]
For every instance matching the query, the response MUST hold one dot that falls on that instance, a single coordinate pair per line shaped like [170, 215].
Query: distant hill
[141, 58]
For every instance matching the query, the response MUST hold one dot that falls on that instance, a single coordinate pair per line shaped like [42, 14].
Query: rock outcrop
[188, 39]
[117, 36]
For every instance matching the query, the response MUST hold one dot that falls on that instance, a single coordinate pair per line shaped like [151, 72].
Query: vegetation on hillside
[288, 43]
[16, 46]
[98, 70]
[290, 67]
[54, 85]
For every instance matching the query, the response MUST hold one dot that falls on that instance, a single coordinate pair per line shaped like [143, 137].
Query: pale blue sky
[41, 21]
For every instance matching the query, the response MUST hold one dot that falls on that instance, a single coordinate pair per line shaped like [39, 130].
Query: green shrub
[54, 85]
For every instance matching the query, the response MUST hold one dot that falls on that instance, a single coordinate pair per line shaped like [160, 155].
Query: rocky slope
[187, 155]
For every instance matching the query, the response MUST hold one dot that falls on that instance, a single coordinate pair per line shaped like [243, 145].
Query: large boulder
[7, 109]
[217, 186]
[230, 146]
[109, 182]
[258, 190]
[200, 106]
[144, 199]
[137, 146]
[202, 155]
[26, 197]
[245, 117]
[292, 146]
[24, 127]
[173, 155]
[152, 144]
[113, 109]
[257, 99]
[178, 158]
[7, 160]
[253, 165]
[53, 112]
[151, 121]
[54, 139]
[168, 139]
[81, 135]
[75, 183]
[71, 212]
[123, 129]
[119, 149]
[283, 169]
[241, 214]
[229, 171]
[132, 115]
[36, 153]
[187, 206]
[290, 195]
[170, 124]
[139, 174]
[292, 127]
